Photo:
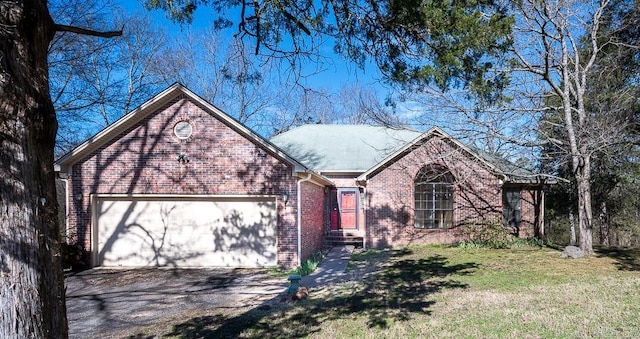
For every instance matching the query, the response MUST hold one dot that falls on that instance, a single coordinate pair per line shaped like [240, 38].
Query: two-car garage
[184, 231]
[179, 183]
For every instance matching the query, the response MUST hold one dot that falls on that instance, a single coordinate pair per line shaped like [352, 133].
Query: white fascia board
[354, 173]
[434, 131]
[316, 178]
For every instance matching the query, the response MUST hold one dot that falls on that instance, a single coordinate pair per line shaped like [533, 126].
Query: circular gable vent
[183, 129]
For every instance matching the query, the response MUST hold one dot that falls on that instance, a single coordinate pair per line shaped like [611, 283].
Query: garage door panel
[225, 232]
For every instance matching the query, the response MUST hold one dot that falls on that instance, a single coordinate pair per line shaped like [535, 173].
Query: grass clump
[309, 265]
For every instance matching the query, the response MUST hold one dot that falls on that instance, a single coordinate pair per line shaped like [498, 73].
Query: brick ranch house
[177, 182]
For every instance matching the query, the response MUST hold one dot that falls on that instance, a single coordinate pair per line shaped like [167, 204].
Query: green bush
[494, 236]
[490, 235]
[310, 265]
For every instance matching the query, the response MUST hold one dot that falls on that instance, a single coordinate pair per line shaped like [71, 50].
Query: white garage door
[186, 232]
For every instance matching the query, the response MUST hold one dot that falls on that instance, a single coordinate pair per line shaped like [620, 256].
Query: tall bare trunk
[604, 224]
[585, 213]
[32, 296]
[572, 229]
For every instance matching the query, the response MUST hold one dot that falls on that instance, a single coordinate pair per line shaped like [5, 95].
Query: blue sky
[334, 74]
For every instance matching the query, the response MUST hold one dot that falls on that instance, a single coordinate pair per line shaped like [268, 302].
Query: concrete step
[335, 240]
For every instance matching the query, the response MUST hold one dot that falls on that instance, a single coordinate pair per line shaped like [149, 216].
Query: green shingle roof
[361, 148]
[513, 172]
[342, 148]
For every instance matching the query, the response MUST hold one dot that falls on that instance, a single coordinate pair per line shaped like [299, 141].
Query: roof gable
[134, 117]
[420, 140]
[496, 165]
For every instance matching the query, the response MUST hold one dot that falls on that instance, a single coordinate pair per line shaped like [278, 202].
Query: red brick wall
[390, 196]
[531, 200]
[142, 160]
[312, 215]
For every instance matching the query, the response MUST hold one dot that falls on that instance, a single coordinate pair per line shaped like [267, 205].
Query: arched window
[433, 198]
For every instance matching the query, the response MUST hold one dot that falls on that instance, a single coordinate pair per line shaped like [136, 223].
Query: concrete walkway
[331, 269]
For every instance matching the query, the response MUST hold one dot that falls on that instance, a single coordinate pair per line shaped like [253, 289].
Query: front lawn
[442, 292]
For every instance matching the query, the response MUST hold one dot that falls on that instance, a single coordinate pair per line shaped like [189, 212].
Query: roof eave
[538, 179]
[354, 173]
[317, 178]
[428, 134]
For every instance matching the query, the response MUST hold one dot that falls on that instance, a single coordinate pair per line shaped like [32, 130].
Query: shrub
[490, 235]
[74, 257]
[310, 265]
[494, 236]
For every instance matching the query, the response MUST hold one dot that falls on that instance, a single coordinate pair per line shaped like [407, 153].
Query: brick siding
[143, 160]
[390, 197]
[312, 215]
[531, 201]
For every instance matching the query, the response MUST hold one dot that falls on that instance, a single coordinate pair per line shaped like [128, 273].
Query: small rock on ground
[572, 252]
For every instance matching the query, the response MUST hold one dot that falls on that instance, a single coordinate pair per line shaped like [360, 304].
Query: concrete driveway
[103, 302]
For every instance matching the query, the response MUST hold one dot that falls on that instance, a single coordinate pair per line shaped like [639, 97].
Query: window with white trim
[183, 130]
[433, 198]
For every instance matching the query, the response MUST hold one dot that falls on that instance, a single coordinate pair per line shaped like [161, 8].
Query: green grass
[307, 267]
[442, 292]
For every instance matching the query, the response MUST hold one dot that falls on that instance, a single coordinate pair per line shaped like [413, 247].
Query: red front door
[348, 209]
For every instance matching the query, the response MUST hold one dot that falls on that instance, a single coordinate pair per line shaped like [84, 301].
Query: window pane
[419, 222]
[511, 207]
[447, 218]
[430, 218]
[420, 202]
[433, 198]
[429, 195]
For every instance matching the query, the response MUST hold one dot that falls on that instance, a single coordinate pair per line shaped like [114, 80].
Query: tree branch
[90, 32]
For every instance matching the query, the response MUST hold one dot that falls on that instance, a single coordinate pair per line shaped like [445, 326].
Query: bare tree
[353, 104]
[554, 61]
[96, 81]
[561, 45]
[360, 104]
[257, 91]
[225, 73]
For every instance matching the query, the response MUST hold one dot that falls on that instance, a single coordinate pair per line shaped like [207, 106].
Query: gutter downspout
[365, 210]
[66, 207]
[299, 212]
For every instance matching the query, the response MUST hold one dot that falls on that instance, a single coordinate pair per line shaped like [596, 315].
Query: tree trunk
[585, 214]
[604, 224]
[32, 295]
[572, 229]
